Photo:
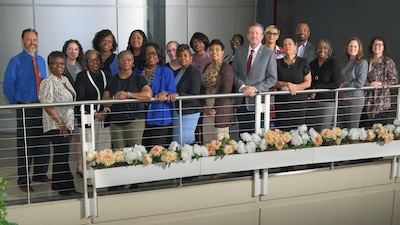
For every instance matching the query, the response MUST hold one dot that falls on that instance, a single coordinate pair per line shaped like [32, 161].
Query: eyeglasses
[270, 33]
[148, 54]
[126, 60]
[93, 60]
[377, 44]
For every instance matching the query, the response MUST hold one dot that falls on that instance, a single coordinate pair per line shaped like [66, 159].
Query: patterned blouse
[209, 77]
[384, 71]
[53, 89]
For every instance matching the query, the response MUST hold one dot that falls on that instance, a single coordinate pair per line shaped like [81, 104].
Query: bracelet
[60, 123]
[129, 95]
[107, 109]
[113, 97]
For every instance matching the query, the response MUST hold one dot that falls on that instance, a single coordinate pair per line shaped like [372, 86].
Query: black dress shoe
[69, 193]
[26, 188]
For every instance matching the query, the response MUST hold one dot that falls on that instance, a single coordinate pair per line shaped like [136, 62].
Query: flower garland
[271, 140]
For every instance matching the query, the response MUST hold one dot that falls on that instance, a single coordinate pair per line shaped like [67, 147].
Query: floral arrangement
[270, 140]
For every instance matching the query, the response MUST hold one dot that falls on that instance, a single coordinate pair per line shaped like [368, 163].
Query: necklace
[289, 65]
[150, 70]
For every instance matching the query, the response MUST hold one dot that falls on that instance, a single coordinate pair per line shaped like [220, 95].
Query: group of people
[321, 70]
[202, 67]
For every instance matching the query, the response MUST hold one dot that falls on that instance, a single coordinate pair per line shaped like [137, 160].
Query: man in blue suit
[255, 70]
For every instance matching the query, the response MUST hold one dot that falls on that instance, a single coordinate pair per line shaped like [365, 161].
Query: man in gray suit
[255, 70]
[305, 49]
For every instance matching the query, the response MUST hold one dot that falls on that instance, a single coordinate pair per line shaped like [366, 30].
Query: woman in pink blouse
[200, 58]
[382, 72]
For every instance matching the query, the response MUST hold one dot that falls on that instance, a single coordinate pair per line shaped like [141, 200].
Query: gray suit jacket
[355, 76]
[263, 73]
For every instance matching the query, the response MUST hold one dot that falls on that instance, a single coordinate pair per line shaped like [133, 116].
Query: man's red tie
[249, 61]
[37, 73]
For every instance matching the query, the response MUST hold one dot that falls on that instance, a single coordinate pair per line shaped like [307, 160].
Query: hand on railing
[162, 96]
[376, 84]
[312, 96]
[172, 97]
[209, 111]
[249, 91]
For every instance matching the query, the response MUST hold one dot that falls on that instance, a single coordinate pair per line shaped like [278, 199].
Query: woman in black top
[127, 119]
[90, 85]
[293, 75]
[325, 73]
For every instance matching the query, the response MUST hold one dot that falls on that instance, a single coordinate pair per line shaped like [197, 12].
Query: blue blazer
[159, 113]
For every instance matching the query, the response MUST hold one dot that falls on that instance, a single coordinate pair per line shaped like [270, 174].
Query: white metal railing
[89, 119]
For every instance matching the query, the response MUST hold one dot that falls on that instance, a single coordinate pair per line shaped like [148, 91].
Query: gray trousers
[349, 112]
[320, 114]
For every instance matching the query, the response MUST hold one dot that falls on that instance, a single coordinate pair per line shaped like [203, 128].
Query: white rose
[251, 147]
[173, 146]
[303, 128]
[296, 140]
[241, 147]
[245, 137]
[256, 138]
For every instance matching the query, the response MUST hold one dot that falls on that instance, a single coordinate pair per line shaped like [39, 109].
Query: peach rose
[279, 143]
[337, 131]
[383, 132]
[228, 149]
[215, 144]
[146, 159]
[287, 137]
[318, 140]
[169, 156]
[157, 150]
[234, 144]
[389, 137]
[370, 135]
[107, 157]
[210, 149]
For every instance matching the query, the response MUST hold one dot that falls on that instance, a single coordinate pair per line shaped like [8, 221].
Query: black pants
[62, 176]
[31, 146]
[383, 118]
[156, 135]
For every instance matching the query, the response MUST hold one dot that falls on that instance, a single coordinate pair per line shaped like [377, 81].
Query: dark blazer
[263, 73]
[309, 52]
[223, 106]
[188, 85]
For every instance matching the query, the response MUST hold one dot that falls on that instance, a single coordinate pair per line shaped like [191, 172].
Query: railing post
[267, 111]
[88, 119]
[258, 111]
[335, 117]
[180, 123]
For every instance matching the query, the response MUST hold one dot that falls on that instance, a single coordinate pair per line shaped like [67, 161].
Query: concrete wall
[358, 195]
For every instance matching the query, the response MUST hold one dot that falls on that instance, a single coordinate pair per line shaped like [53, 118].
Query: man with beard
[305, 49]
[22, 78]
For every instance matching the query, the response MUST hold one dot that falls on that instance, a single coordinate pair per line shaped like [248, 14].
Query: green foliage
[3, 205]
